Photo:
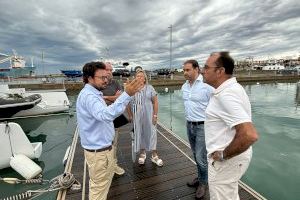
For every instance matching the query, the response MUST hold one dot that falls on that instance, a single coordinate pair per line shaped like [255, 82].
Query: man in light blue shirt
[96, 129]
[196, 95]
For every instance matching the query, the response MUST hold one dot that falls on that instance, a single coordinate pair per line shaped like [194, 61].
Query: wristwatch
[221, 156]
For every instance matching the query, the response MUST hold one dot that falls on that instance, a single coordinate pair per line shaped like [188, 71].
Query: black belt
[195, 123]
[100, 150]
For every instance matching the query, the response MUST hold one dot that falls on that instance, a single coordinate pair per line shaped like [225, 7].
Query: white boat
[13, 141]
[272, 65]
[120, 71]
[53, 101]
[15, 66]
[11, 104]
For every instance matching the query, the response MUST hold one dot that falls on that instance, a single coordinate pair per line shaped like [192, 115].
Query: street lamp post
[43, 63]
[171, 76]
[250, 59]
[171, 30]
[107, 53]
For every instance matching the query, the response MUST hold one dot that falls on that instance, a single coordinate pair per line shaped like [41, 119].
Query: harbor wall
[71, 85]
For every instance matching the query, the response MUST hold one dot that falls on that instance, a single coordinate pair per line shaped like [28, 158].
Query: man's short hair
[193, 62]
[90, 68]
[226, 61]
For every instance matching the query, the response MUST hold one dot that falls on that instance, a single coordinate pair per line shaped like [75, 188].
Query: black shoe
[200, 192]
[193, 183]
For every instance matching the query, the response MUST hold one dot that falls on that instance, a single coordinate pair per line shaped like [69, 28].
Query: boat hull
[17, 72]
[52, 102]
[10, 106]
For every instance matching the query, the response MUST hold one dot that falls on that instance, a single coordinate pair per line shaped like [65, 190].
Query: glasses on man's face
[206, 67]
[101, 77]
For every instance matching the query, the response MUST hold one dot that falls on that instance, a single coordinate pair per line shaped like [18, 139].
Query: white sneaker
[119, 170]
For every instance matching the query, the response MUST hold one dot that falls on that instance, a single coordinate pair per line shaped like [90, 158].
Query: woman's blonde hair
[145, 75]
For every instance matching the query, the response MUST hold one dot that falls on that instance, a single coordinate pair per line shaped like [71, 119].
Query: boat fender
[25, 166]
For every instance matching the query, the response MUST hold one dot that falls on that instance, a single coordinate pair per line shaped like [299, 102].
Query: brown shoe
[193, 183]
[201, 190]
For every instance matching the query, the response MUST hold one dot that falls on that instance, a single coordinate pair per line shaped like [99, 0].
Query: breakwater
[177, 81]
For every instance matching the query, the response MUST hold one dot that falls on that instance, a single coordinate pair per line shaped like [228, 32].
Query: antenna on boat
[31, 61]
[107, 52]
[14, 52]
[43, 63]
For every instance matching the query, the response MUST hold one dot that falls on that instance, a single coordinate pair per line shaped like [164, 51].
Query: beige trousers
[101, 172]
[223, 176]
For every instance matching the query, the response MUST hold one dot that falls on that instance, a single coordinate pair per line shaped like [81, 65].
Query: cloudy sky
[73, 32]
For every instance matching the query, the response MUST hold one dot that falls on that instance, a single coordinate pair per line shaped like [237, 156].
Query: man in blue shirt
[96, 128]
[196, 95]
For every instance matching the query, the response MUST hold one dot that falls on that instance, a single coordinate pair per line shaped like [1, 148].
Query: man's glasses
[206, 67]
[102, 77]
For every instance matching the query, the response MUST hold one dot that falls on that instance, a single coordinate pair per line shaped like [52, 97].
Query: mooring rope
[61, 182]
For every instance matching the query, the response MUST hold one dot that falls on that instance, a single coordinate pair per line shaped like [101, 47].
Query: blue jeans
[197, 141]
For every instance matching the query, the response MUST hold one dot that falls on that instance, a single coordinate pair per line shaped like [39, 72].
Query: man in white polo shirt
[229, 132]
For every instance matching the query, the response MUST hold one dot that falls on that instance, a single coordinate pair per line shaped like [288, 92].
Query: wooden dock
[149, 181]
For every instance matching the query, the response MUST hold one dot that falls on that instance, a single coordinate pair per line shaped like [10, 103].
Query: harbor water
[273, 172]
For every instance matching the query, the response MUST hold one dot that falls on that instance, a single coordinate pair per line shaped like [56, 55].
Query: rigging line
[7, 131]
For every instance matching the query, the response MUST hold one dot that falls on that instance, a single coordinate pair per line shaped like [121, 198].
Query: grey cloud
[78, 31]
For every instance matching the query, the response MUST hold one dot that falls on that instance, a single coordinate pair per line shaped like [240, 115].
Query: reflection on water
[297, 96]
[37, 138]
[34, 122]
[166, 95]
[274, 171]
[163, 91]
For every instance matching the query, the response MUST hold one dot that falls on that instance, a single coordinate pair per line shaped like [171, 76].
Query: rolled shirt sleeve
[107, 113]
[95, 118]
